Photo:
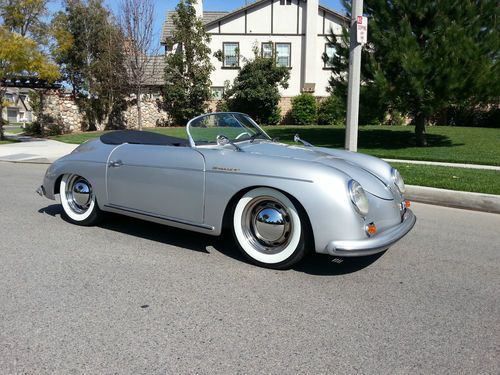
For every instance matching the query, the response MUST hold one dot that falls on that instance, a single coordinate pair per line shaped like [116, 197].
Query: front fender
[94, 172]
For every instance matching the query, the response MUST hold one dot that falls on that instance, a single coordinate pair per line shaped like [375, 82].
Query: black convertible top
[142, 138]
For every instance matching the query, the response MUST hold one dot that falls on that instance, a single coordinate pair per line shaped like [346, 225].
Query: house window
[283, 54]
[329, 53]
[231, 55]
[217, 92]
[267, 49]
[9, 97]
[285, 2]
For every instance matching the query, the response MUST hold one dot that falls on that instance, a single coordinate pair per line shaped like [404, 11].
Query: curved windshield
[236, 127]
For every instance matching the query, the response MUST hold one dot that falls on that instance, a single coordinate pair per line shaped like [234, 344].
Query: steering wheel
[239, 135]
[222, 139]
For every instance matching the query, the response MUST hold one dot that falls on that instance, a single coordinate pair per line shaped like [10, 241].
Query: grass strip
[7, 141]
[462, 179]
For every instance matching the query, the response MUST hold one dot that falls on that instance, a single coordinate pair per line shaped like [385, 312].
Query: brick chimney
[311, 38]
[198, 7]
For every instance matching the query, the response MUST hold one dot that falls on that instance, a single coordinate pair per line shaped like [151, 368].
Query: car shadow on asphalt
[314, 264]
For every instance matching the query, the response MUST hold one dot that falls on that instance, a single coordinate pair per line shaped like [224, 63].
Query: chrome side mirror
[297, 139]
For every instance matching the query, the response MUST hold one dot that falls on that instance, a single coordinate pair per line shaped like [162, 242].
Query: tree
[90, 49]
[255, 90]
[20, 56]
[25, 17]
[136, 21]
[188, 67]
[423, 56]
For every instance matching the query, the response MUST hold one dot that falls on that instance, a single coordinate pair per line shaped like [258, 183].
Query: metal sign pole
[351, 133]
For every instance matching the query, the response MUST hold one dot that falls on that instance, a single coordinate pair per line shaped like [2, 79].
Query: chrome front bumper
[373, 245]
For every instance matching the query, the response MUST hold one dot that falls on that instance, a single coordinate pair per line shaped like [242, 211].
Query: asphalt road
[131, 297]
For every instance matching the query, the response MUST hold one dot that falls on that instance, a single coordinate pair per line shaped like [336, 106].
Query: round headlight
[398, 180]
[358, 197]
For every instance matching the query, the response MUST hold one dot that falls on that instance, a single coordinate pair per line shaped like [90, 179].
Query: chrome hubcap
[79, 194]
[267, 225]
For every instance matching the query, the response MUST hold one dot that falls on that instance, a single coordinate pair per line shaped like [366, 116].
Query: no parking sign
[362, 29]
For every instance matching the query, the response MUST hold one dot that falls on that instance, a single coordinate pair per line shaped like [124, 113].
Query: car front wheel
[268, 228]
[78, 201]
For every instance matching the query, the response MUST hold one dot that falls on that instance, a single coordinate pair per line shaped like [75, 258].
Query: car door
[162, 181]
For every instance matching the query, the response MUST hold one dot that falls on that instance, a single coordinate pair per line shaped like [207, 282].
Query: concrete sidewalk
[443, 164]
[43, 151]
[34, 150]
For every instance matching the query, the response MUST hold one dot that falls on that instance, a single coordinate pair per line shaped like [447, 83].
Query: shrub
[52, 126]
[331, 111]
[304, 109]
[255, 90]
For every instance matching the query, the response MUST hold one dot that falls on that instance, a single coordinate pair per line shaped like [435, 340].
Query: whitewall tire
[78, 200]
[268, 228]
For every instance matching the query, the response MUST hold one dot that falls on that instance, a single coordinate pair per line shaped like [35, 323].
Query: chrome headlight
[398, 180]
[358, 197]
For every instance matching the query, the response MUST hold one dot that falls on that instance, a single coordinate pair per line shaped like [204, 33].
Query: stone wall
[152, 114]
[62, 108]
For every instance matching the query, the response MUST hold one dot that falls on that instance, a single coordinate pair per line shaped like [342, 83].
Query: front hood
[369, 181]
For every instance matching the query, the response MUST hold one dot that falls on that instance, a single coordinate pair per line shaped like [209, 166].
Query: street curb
[453, 198]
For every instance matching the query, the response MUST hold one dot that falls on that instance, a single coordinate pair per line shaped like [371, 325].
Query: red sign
[360, 19]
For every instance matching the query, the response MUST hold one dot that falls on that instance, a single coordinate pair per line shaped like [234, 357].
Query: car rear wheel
[78, 201]
[268, 228]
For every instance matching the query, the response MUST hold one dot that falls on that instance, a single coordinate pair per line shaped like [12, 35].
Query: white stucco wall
[278, 24]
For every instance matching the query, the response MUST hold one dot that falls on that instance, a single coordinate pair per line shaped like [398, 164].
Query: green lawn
[475, 180]
[446, 143]
[7, 141]
[14, 130]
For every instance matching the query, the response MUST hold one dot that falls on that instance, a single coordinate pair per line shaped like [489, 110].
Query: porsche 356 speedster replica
[280, 201]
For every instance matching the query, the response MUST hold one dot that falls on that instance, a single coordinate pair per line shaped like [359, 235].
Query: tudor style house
[18, 108]
[295, 30]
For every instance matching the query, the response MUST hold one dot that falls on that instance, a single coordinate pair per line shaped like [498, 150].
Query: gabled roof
[211, 18]
[168, 25]
[258, 2]
[153, 71]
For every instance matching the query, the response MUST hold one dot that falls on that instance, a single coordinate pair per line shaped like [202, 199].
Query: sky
[163, 6]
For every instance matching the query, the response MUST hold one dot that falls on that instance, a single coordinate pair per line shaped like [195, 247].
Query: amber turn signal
[407, 204]
[371, 229]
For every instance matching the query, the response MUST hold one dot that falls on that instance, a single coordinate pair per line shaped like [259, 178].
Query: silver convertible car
[280, 201]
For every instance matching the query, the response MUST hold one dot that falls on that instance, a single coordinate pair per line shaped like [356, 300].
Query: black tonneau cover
[141, 138]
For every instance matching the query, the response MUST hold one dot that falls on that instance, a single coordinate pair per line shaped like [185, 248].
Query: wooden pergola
[29, 82]
[39, 85]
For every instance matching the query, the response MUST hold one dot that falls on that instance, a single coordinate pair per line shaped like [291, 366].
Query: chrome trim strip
[259, 175]
[166, 218]
[375, 244]
[162, 167]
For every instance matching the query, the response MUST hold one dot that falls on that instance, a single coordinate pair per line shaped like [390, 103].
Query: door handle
[115, 163]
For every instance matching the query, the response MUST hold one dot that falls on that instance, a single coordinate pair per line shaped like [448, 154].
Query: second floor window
[231, 55]
[283, 54]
